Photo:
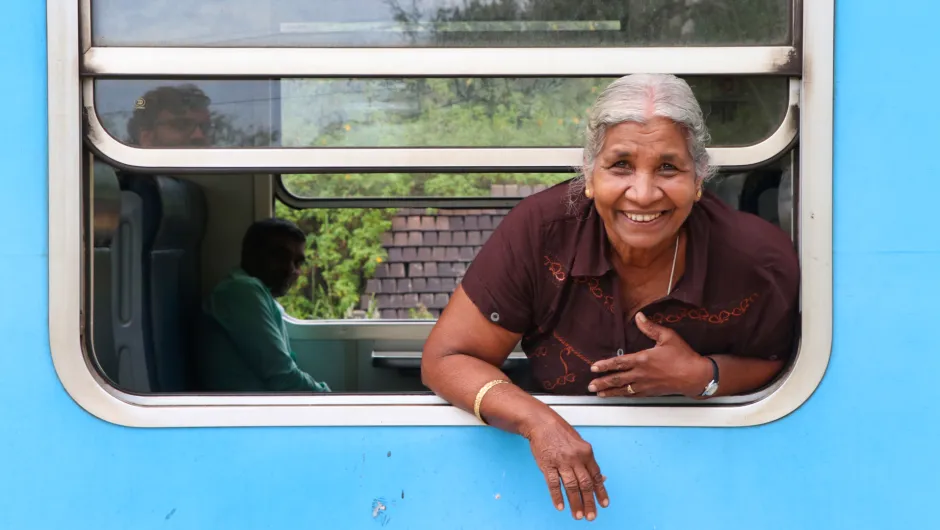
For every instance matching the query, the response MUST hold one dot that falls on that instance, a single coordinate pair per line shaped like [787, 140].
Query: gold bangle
[486, 388]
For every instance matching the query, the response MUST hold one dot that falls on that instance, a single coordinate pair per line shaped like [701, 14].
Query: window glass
[390, 185]
[437, 112]
[403, 263]
[439, 23]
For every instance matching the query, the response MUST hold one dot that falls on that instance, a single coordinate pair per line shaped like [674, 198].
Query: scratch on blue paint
[380, 511]
[169, 515]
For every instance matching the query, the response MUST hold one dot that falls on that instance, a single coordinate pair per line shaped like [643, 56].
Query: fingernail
[605, 502]
[590, 517]
[641, 317]
[560, 507]
[592, 388]
[601, 394]
[578, 516]
[594, 368]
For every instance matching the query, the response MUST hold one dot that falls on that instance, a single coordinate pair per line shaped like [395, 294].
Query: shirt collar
[593, 247]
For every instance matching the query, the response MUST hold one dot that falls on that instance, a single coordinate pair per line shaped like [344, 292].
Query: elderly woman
[630, 280]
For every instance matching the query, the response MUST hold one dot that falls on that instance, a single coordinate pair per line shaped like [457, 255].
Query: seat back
[175, 211]
[132, 340]
[105, 222]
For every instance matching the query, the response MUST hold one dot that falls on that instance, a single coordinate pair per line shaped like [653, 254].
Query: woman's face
[644, 184]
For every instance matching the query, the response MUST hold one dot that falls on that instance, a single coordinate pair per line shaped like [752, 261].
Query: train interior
[161, 242]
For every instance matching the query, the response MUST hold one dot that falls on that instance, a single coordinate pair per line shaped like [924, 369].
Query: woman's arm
[464, 353]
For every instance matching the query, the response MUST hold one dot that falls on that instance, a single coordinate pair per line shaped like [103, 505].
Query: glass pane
[388, 185]
[439, 23]
[403, 263]
[438, 112]
[174, 114]
[371, 263]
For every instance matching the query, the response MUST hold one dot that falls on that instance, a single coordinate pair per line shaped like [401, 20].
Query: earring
[588, 193]
[699, 194]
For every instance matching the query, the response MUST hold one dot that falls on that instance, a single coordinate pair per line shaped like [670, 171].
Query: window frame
[66, 33]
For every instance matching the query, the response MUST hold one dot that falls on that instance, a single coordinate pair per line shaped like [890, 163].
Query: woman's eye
[668, 167]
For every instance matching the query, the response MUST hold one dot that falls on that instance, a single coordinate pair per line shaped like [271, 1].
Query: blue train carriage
[397, 135]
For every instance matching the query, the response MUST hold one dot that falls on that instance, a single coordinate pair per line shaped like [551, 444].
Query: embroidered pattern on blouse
[557, 271]
[555, 267]
[704, 315]
[594, 285]
[567, 350]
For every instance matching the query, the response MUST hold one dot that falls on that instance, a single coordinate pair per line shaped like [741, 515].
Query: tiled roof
[428, 254]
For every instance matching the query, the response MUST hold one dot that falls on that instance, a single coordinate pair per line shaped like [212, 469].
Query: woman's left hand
[670, 367]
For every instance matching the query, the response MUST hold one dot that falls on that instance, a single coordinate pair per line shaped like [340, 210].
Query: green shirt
[244, 344]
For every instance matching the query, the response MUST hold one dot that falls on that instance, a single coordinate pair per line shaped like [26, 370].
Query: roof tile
[396, 270]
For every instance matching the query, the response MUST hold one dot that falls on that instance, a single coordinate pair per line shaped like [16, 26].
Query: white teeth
[642, 218]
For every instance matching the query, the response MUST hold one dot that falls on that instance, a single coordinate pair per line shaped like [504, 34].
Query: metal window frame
[95, 395]
[438, 62]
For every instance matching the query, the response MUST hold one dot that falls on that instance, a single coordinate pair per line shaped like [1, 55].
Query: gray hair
[636, 98]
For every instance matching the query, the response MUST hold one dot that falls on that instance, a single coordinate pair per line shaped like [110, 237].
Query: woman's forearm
[740, 375]
[458, 378]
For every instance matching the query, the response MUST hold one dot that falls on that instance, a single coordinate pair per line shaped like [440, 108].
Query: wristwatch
[712, 385]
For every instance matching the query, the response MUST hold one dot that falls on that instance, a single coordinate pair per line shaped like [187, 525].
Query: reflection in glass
[440, 23]
[174, 114]
[437, 112]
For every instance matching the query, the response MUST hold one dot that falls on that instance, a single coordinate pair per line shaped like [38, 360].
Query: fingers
[599, 490]
[573, 490]
[615, 380]
[586, 487]
[639, 390]
[652, 330]
[554, 488]
[620, 363]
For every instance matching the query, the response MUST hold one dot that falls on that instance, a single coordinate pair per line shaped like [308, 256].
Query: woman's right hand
[567, 461]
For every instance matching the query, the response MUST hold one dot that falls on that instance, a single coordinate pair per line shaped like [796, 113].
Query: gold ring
[630, 389]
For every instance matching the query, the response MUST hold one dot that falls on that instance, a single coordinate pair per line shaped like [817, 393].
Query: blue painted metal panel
[859, 454]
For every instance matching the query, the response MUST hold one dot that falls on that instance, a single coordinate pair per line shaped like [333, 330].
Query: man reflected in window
[171, 117]
[244, 345]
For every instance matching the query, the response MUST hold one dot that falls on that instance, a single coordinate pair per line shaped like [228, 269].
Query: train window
[396, 136]
[428, 112]
[440, 23]
[402, 263]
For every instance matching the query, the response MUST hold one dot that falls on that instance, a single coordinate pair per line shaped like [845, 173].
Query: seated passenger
[629, 280]
[243, 340]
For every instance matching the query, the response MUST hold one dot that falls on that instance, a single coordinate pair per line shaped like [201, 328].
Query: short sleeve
[775, 324]
[501, 279]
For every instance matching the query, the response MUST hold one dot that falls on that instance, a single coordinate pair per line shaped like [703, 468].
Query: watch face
[710, 389]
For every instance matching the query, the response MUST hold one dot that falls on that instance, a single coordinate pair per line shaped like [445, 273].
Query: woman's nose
[643, 190]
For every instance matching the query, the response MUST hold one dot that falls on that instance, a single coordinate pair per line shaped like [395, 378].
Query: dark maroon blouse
[545, 273]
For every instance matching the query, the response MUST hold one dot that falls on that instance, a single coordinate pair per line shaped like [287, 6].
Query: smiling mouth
[645, 218]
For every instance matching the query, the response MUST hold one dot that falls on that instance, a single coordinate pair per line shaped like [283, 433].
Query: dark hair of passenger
[260, 235]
